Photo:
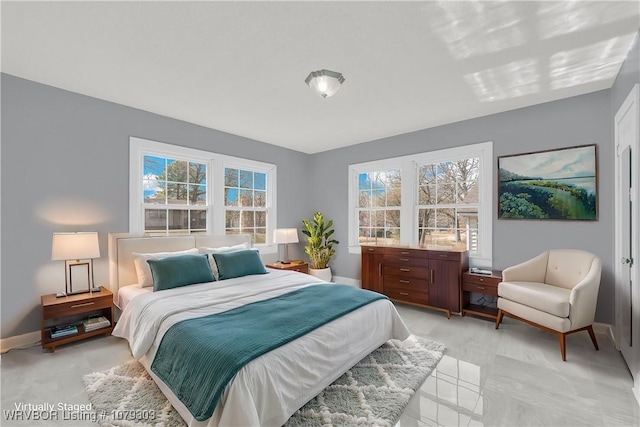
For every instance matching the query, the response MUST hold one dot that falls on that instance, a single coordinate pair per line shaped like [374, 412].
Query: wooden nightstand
[482, 284]
[72, 310]
[302, 268]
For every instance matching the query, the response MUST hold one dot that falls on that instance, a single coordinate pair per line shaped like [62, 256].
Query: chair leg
[499, 318]
[563, 346]
[593, 337]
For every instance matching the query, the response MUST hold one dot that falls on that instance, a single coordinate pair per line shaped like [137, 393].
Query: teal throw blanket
[198, 357]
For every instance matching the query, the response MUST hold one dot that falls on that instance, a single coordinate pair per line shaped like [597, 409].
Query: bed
[270, 388]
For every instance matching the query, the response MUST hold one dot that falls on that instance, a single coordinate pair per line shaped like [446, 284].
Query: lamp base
[85, 291]
[285, 262]
[61, 295]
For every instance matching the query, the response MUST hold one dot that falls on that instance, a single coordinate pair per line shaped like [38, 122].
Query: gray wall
[628, 76]
[65, 167]
[580, 120]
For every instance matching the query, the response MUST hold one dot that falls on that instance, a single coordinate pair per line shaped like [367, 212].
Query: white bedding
[127, 293]
[268, 390]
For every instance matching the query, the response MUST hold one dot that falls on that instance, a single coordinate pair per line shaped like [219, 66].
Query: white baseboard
[19, 341]
[606, 329]
[346, 281]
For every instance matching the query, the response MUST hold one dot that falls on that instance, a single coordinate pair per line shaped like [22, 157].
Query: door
[444, 286]
[624, 311]
[371, 271]
[627, 218]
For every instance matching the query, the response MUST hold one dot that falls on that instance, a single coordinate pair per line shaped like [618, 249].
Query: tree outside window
[448, 203]
[379, 201]
[175, 196]
[245, 201]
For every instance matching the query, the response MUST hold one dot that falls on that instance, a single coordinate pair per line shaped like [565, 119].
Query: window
[175, 196]
[178, 190]
[435, 199]
[379, 197]
[448, 203]
[245, 202]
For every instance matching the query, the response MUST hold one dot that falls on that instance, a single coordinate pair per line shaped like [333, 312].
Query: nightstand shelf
[300, 267]
[72, 310]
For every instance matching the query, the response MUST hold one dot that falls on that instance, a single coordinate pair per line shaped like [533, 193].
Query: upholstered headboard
[122, 271]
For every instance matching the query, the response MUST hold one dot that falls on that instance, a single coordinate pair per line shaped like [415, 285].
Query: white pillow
[145, 278]
[212, 261]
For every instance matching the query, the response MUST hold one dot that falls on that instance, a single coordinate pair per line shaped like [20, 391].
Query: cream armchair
[556, 291]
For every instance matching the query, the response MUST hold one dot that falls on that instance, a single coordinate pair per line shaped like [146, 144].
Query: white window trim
[216, 163]
[238, 163]
[408, 169]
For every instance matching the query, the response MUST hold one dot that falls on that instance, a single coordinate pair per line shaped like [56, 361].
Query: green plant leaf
[319, 246]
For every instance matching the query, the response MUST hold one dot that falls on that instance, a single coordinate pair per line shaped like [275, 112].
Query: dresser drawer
[487, 289]
[481, 280]
[373, 249]
[451, 256]
[406, 271]
[406, 252]
[77, 307]
[403, 260]
[408, 296]
[405, 283]
[482, 284]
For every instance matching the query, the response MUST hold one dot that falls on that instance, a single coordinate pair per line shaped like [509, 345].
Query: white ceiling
[240, 66]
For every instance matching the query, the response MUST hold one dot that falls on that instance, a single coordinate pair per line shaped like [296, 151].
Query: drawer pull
[481, 288]
[404, 293]
[404, 281]
[404, 253]
[83, 305]
[405, 269]
[404, 259]
[370, 249]
[444, 256]
[481, 279]
[433, 276]
[380, 269]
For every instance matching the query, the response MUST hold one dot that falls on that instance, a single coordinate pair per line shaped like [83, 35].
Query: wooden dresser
[415, 276]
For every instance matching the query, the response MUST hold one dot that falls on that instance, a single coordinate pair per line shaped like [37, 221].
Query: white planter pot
[321, 273]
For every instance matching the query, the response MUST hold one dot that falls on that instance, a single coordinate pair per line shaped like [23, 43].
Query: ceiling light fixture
[324, 82]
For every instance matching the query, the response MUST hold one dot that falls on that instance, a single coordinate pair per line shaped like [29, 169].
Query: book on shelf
[63, 331]
[93, 323]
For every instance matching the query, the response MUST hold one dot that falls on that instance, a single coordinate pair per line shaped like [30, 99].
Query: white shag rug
[374, 392]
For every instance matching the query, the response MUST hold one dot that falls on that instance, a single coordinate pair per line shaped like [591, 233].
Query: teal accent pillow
[238, 264]
[182, 270]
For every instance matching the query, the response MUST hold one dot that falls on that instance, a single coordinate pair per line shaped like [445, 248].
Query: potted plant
[319, 246]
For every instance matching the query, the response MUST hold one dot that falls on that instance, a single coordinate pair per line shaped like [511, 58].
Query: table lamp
[284, 236]
[77, 250]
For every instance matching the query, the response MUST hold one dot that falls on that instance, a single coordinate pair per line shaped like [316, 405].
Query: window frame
[357, 209]
[174, 207]
[270, 171]
[408, 166]
[216, 163]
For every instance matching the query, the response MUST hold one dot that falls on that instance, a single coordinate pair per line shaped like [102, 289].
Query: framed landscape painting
[557, 184]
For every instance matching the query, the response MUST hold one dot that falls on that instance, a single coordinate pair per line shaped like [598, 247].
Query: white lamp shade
[81, 245]
[285, 235]
[324, 82]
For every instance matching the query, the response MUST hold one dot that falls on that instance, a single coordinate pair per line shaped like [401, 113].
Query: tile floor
[510, 377]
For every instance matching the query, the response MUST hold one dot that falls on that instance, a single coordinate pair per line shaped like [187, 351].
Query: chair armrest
[584, 297]
[533, 270]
